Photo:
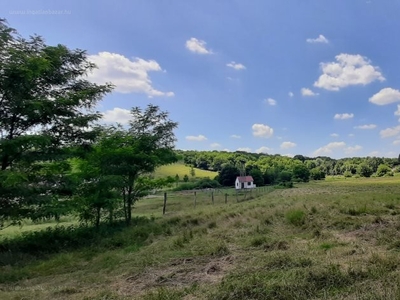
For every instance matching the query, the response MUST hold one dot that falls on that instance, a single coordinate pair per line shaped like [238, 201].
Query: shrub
[296, 217]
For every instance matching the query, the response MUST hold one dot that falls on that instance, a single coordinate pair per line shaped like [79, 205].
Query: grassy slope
[181, 170]
[328, 240]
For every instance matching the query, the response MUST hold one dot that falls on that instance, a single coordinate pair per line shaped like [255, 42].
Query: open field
[182, 170]
[337, 239]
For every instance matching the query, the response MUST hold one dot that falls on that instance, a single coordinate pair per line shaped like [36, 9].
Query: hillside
[334, 239]
[182, 170]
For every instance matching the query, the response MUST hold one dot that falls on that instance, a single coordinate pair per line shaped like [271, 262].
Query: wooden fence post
[237, 199]
[195, 199]
[165, 203]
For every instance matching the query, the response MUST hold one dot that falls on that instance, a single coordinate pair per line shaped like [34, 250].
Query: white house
[244, 182]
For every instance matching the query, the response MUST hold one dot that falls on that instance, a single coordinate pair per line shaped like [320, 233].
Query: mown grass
[182, 170]
[337, 239]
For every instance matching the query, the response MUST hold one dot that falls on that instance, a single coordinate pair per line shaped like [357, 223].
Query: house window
[249, 183]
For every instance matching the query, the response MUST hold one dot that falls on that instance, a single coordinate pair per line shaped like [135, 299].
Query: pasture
[334, 239]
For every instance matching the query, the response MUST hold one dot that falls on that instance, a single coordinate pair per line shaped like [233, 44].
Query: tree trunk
[98, 209]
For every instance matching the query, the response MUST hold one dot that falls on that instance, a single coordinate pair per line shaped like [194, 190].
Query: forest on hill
[272, 169]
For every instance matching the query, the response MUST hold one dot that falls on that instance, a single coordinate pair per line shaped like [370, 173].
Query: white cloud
[236, 66]
[389, 132]
[307, 92]
[198, 138]
[350, 150]
[327, 149]
[226, 150]
[385, 96]
[347, 70]
[334, 135]
[128, 76]
[197, 46]
[374, 153]
[397, 112]
[117, 115]
[288, 155]
[319, 39]
[287, 145]
[245, 149]
[344, 116]
[270, 101]
[263, 131]
[291, 94]
[367, 126]
[263, 149]
[235, 136]
[351, 135]
[396, 142]
[215, 145]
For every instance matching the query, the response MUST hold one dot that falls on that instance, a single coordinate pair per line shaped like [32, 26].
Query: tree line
[274, 169]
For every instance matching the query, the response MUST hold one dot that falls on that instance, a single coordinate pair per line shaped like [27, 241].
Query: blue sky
[291, 77]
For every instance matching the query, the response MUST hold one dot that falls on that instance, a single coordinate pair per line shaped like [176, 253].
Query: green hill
[181, 170]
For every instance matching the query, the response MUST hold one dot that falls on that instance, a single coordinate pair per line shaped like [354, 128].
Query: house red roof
[245, 178]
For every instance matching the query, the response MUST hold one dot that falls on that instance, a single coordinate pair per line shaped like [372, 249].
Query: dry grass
[345, 247]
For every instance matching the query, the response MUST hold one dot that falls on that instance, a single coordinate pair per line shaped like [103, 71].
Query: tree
[135, 152]
[186, 178]
[364, 170]
[317, 174]
[257, 176]
[192, 172]
[301, 173]
[227, 175]
[47, 107]
[382, 170]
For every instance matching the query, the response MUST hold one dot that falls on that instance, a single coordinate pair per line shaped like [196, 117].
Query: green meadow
[333, 239]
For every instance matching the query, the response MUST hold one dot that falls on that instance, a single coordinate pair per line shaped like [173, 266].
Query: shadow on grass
[29, 246]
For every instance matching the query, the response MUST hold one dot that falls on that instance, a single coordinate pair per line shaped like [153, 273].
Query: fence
[211, 197]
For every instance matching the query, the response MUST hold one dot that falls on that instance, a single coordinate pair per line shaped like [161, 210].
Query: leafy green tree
[364, 170]
[285, 176]
[227, 175]
[301, 173]
[317, 174]
[382, 170]
[257, 176]
[46, 109]
[186, 178]
[192, 172]
[133, 153]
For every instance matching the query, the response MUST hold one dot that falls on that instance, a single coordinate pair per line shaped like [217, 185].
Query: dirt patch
[178, 273]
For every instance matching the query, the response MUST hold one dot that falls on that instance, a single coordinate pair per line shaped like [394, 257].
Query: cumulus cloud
[328, 149]
[235, 136]
[344, 116]
[128, 76]
[117, 115]
[351, 135]
[197, 46]
[290, 94]
[263, 149]
[270, 101]
[215, 145]
[319, 39]
[385, 96]
[374, 153]
[347, 70]
[287, 145]
[198, 138]
[235, 66]
[396, 142]
[366, 126]
[351, 150]
[308, 93]
[389, 132]
[334, 135]
[263, 131]
[244, 149]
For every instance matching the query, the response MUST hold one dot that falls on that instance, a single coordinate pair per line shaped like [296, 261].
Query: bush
[347, 174]
[296, 217]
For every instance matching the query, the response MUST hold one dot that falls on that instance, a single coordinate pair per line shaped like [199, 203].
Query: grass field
[337, 239]
[182, 170]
